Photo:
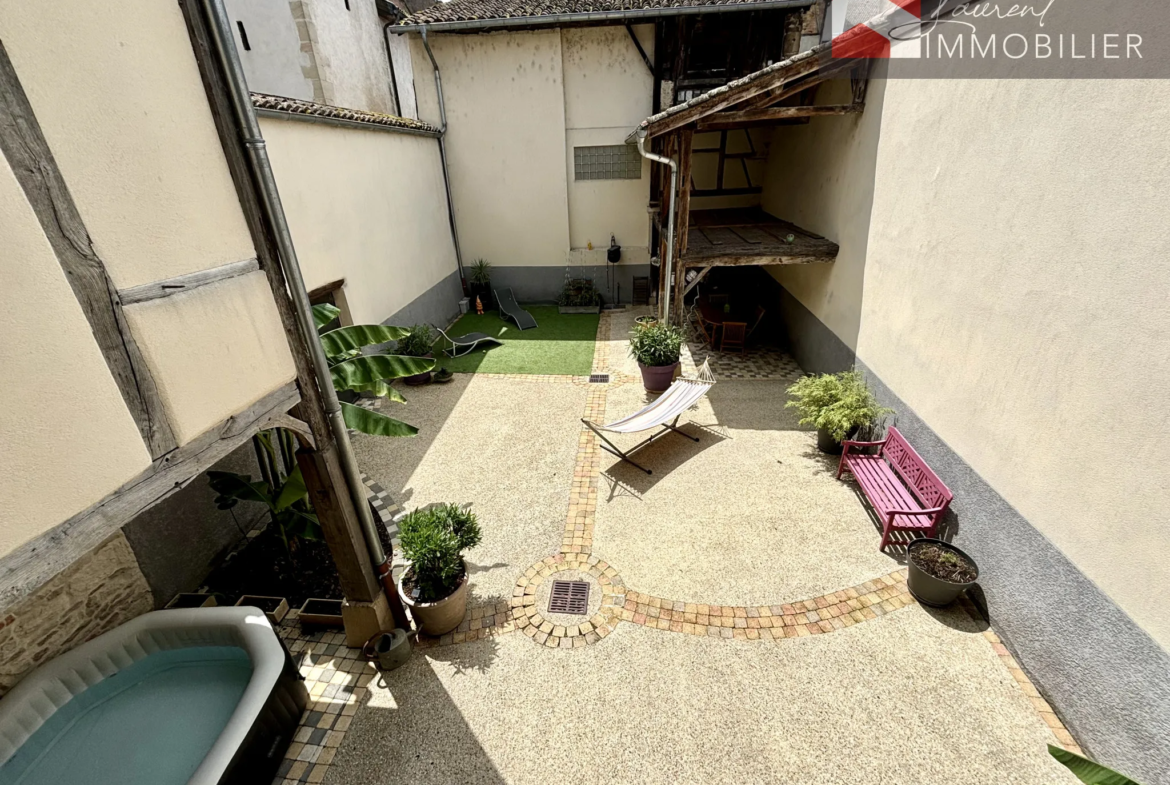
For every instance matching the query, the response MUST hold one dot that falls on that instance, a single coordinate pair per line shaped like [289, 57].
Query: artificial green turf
[559, 344]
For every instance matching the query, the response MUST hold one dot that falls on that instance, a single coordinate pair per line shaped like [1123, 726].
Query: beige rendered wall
[505, 140]
[820, 176]
[608, 90]
[1013, 294]
[350, 55]
[366, 206]
[118, 96]
[67, 435]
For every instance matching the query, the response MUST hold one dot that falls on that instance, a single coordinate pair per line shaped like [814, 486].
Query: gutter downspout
[668, 263]
[253, 142]
[443, 156]
[390, 62]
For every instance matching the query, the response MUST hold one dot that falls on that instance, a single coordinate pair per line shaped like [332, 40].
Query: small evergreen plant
[433, 539]
[656, 344]
[840, 403]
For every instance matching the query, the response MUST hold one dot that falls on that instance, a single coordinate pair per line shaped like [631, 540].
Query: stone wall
[96, 593]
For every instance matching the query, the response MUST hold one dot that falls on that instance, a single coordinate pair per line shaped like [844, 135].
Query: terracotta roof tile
[470, 10]
[275, 103]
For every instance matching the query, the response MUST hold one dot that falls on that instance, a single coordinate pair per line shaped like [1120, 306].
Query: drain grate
[569, 597]
[599, 378]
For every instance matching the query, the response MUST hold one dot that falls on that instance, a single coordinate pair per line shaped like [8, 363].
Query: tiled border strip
[815, 616]
[478, 623]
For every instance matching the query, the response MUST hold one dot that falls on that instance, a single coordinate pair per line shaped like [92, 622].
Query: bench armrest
[928, 511]
[845, 445]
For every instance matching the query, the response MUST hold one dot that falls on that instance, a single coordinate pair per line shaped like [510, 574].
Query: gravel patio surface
[506, 445]
[906, 698]
[751, 515]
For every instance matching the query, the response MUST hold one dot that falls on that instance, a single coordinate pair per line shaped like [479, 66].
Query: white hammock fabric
[680, 396]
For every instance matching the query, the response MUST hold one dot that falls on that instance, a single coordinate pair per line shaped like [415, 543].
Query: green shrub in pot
[657, 347]
[434, 587]
[837, 405]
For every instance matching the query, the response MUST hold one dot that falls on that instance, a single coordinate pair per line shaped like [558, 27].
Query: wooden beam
[698, 278]
[763, 260]
[28, 567]
[756, 116]
[230, 135]
[27, 151]
[779, 94]
[185, 283]
[686, 138]
[782, 73]
[339, 522]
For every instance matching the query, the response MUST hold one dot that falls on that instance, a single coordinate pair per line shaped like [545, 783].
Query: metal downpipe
[668, 263]
[443, 155]
[254, 144]
[390, 62]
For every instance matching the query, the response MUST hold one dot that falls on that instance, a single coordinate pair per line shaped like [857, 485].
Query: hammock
[663, 412]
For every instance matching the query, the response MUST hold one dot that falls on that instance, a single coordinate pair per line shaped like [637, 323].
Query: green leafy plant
[282, 488]
[481, 272]
[357, 372]
[579, 292]
[433, 539]
[840, 403]
[1087, 771]
[418, 343]
[656, 344]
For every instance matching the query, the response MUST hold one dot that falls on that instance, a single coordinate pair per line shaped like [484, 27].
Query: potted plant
[480, 283]
[938, 572]
[579, 295]
[656, 347]
[434, 586]
[838, 404]
[417, 344]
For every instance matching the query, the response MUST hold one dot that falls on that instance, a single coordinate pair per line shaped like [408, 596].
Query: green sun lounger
[510, 309]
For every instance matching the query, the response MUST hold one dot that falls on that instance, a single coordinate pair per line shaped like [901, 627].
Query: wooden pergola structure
[781, 94]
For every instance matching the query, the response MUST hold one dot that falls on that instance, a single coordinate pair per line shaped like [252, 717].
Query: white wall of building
[275, 63]
[366, 206]
[351, 57]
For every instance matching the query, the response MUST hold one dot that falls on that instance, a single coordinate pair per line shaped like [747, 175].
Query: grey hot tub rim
[254, 739]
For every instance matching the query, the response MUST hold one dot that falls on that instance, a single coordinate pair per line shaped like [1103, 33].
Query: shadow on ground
[662, 456]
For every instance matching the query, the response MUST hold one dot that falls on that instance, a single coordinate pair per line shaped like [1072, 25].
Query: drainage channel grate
[599, 378]
[569, 597]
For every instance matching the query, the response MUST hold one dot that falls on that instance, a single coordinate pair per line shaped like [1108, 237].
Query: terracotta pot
[440, 616]
[656, 378]
[419, 378]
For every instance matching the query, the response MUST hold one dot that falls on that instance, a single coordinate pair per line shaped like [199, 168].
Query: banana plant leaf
[374, 423]
[348, 339]
[232, 487]
[362, 373]
[301, 524]
[383, 390]
[324, 313]
[1087, 771]
[293, 491]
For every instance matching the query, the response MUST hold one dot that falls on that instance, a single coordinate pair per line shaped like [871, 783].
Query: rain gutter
[666, 265]
[443, 154]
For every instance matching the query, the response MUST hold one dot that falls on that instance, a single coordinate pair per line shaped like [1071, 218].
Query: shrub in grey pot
[434, 587]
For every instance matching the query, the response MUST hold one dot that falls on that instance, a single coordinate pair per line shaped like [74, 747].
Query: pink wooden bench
[906, 494]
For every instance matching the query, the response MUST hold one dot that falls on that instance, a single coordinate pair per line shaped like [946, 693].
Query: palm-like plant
[357, 372]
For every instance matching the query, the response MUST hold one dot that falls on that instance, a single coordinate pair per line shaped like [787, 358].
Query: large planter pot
[419, 378]
[827, 444]
[656, 378]
[931, 590]
[440, 616]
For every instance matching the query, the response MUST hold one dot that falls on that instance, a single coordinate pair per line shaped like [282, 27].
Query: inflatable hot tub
[206, 696]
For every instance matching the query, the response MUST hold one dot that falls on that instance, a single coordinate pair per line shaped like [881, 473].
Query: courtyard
[742, 625]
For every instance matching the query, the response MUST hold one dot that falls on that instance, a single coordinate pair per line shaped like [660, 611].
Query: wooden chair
[707, 329]
[734, 337]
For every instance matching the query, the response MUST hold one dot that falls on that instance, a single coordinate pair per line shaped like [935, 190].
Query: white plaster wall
[273, 65]
[118, 95]
[213, 351]
[1013, 292]
[68, 439]
[404, 74]
[351, 57]
[820, 176]
[505, 140]
[366, 206]
[608, 90]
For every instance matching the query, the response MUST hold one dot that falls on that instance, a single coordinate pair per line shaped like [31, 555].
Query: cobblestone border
[527, 616]
[478, 623]
[829, 612]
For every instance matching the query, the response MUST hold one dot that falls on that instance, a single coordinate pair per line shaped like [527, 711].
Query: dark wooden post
[683, 220]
